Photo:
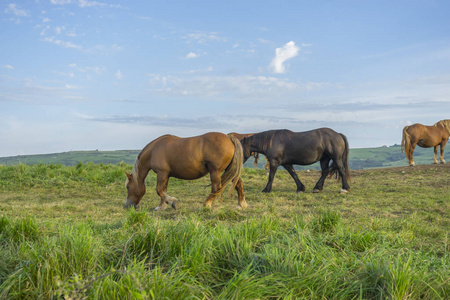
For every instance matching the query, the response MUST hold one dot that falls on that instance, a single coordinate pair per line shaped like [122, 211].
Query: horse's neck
[142, 166]
[258, 147]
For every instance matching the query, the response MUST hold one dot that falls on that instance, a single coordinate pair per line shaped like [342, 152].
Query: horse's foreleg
[435, 154]
[325, 166]
[215, 187]
[161, 189]
[273, 170]
[300, 185]
[241, 197]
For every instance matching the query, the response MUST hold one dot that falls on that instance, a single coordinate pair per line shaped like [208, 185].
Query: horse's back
[306, 147]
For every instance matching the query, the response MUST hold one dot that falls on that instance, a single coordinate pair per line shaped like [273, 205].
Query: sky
[114, 75]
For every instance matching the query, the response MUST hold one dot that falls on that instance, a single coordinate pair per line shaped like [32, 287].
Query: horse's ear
[128, 175]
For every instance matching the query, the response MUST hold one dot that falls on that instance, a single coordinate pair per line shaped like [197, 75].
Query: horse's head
[135, 191]
[246, 145]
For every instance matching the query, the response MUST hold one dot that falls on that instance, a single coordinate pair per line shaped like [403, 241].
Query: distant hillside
[361, 158]
[74, 157]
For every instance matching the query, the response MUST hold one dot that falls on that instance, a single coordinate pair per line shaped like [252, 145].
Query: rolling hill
[360, 158]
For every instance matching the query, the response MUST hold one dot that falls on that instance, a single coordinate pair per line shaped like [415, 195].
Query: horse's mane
[445, 124]
[263, 140]
[136, 167]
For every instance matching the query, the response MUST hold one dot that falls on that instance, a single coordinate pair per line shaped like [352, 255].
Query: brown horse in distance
[426, 137]
[188, 158]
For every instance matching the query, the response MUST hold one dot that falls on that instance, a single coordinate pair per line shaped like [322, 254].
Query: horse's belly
[188, 173]
[428, 143]
[304, 162]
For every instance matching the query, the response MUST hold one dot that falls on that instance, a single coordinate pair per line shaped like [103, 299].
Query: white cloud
[9, 67]
[204, 37]
[62, 43]
[258, 88]
[43, 32]
[12, 8]
[60, 29]
[119, 75]
[282, 54]
[85, 3]
[191, 55]
[264, 41]
[60, 2]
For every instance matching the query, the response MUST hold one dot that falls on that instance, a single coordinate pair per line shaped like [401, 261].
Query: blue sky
[112, 75]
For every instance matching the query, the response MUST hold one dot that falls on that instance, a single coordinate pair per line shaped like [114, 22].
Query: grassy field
[360, 158]
[63, 232]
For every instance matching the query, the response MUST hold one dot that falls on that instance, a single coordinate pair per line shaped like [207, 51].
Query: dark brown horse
[426, 137]
[286, 148]
[188, 158]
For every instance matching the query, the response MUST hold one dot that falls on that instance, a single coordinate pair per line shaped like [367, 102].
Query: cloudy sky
[112, 75]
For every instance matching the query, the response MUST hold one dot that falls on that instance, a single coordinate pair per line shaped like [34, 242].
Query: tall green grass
[192, 259]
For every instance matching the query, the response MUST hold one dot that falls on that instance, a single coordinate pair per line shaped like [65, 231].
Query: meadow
[64, 234]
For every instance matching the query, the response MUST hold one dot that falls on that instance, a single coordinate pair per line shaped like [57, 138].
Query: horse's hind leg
[410, 157]
[300, 185]
[161, 189]
[325, 166]
[215, 187]
[341, 170]
[241, 197]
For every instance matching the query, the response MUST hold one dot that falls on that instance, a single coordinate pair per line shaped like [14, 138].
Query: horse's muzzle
[128, 204]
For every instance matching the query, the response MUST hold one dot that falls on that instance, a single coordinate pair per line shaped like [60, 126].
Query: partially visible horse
[240, 137]
[286, 148]
[426, 137]
[188, 158]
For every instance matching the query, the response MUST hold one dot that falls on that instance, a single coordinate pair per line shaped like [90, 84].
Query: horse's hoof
[343, 191]
[242, 205]
[412, 164]
[174, 205]
[442, 161]
[316, 191]
[157, 208]
[207, 207]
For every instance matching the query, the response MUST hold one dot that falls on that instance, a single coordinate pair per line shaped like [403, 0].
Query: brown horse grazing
[188, 158]
[287, 148]
[426, 137]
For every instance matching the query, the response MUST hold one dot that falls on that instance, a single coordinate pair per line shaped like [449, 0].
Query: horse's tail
[346, 169]
[406, 142]
[233, 171]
